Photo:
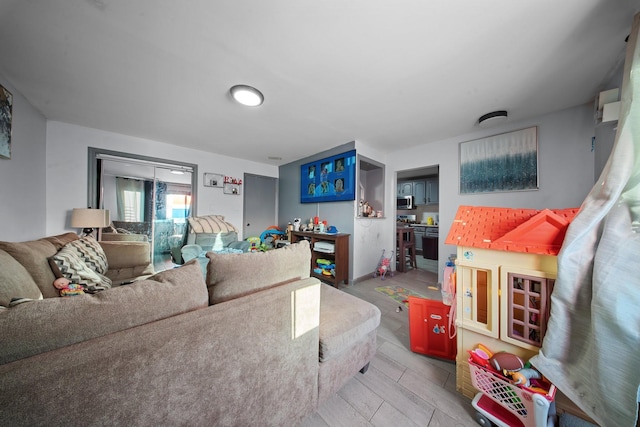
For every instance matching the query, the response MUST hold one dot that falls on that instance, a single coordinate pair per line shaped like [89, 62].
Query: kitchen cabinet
[424, 192]
[419, 192]
[431, 191]
[419, 234]
[405, 189]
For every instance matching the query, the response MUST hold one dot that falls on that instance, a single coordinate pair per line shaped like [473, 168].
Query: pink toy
[384, 266]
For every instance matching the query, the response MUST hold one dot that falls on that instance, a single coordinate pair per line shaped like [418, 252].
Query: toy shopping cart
[384, 266]
[507, 405]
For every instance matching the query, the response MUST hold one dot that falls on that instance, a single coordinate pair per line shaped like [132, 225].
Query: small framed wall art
[213, 180]
[230, 188]
[6, 106]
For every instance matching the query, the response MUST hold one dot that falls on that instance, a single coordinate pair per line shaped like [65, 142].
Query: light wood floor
[400, 388]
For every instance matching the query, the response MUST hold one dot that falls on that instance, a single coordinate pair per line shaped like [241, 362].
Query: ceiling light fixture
[492, 119]
[247, 95]
[177, 172]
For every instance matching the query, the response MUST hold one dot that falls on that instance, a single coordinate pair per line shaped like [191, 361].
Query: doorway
[422, 184]
[260, 204]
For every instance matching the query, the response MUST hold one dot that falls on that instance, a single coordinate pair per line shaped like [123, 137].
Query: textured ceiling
[391, 74]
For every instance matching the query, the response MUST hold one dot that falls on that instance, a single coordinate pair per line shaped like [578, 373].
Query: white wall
[565, 163]
[23, 183]
[371, 236]
[67, 171]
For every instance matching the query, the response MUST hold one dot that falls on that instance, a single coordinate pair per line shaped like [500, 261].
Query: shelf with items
[332, 250]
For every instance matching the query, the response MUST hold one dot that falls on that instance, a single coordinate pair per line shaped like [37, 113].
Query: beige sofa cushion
[37, 326]
[230, 276]
[15, 281]
[33, 256]
[344, 320]
[126, 254]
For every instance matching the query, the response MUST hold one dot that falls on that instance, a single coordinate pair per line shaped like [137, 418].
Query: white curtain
[591, 351]
[130, 199]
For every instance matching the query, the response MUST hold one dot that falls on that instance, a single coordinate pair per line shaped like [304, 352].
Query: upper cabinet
[419, 193]
[431, 195]
[405, 189]
[425, 192]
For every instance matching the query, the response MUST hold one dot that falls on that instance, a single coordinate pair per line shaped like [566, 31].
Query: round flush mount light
[247, 95]
[492, 119]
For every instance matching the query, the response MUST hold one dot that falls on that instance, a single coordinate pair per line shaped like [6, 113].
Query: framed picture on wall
[332, 179]
[6, 106]
[505, 162]
[213, 180]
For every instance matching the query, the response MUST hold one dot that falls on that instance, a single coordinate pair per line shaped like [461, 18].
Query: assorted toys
[66, 288]
[523, 396]
[325, 267]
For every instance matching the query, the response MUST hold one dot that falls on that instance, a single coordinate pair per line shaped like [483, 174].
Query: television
[332, 179]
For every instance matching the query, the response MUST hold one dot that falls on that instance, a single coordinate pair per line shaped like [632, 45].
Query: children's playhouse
[505, 271]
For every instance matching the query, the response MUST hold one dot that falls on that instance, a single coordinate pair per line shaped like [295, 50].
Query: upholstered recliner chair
[211, 233]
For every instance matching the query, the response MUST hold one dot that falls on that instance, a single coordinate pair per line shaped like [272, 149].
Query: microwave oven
[406, 202]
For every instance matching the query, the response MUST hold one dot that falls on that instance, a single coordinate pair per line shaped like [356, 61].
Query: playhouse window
[479, 300]
[528, 307]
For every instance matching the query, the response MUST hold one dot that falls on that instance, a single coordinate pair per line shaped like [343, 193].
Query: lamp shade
[89, 218]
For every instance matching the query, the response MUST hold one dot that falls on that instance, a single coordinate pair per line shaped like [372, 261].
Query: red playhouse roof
[515, 230]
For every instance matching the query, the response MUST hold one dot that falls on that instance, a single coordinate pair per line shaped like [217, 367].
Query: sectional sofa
[258, 342]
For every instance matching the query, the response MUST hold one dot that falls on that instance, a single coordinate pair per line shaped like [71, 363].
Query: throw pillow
[90, 251]
[15, 281]
[66, 263]
[210, 224]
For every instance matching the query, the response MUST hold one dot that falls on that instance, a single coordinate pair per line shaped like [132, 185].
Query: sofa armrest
[127, 260]
[199, 368]
[127, 254]
[190, 252]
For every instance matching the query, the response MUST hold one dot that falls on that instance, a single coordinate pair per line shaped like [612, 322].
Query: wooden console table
[340, 257]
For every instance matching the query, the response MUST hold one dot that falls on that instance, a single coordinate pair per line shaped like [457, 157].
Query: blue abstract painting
[505, 162]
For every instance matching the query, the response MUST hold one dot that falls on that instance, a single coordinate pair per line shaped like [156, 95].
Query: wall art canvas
[505, 162]
[6, 105]
[332, 179]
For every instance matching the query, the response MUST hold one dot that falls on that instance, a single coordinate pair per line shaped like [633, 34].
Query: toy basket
[509, 405]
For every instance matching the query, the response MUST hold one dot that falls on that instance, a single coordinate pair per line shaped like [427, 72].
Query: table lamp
[88, 219]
